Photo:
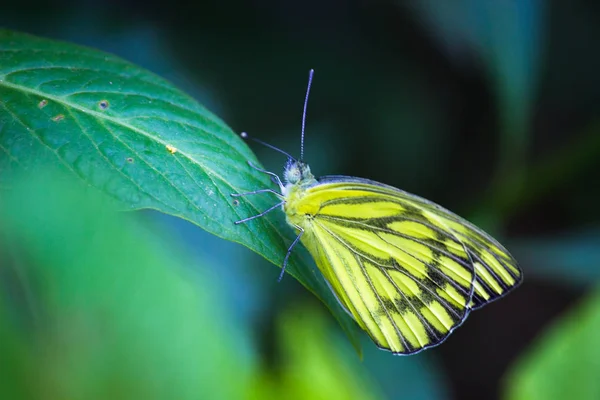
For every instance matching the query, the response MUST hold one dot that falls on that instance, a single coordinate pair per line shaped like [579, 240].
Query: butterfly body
[298, 179]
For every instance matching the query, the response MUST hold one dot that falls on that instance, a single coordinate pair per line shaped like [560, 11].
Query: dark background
[488, 108]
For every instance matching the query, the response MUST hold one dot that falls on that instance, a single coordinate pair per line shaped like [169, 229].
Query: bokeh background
[490, 108]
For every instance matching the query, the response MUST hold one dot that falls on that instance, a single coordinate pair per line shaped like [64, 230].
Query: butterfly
[406, 269]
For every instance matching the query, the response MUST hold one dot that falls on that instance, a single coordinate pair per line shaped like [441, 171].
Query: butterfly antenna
[244, 135]
[310, 77]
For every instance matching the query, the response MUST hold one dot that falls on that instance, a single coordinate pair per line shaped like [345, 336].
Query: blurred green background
[489, 108]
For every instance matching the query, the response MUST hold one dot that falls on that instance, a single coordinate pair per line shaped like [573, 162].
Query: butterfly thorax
[298, 179]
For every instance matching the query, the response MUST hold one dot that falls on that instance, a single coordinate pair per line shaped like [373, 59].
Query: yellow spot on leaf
[172, 149]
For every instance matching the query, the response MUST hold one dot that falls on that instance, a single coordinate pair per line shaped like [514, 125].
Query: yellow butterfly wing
[406, 269]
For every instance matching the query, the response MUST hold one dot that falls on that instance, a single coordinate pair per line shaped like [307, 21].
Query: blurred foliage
[563, 363]
[314, 363]
[506, 37]
[489, 108]
[93, 306]
[571, 257]
[96, 306]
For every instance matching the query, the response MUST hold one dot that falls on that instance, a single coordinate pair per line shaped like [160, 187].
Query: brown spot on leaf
[236, 202]
[103, 104]
[43, 103]
[129, 160]
[58, 117]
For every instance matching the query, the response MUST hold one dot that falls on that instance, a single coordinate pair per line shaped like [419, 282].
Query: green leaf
[132, 135]
[563, 363]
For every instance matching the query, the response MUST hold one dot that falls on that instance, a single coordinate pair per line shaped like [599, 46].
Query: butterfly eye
[292, 174]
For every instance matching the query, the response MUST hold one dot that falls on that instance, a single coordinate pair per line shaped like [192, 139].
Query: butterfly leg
[241, 221]
[273, 175]
[258, 191]
[276, 181]
[285, 260]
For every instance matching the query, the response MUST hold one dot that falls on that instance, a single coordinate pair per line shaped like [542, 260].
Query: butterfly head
[297, 172]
